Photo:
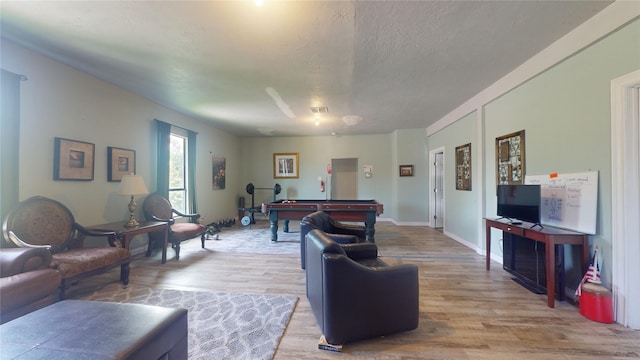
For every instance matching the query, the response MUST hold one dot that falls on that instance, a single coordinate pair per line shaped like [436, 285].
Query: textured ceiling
[255, 71]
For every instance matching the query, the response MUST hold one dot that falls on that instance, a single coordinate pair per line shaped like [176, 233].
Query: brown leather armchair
[157, 208]
[338, 231]
[355, 295]
[27, 281]
[40, 222]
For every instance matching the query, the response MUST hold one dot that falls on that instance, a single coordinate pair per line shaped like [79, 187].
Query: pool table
[344, 210]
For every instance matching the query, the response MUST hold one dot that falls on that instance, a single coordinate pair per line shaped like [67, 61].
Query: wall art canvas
[463, 167]
[73, 160]
[219, 169]
[120, 162]
[510, 163]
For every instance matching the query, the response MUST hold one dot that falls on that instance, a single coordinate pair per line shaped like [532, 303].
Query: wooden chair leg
[124, 273]
[148, 253]
[176, 247]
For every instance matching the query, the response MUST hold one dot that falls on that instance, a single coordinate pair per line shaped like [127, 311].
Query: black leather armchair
[339, 232]
[355, 295]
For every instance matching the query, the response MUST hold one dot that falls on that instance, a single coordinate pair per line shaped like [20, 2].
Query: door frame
[625, 198]
[432, 185]
[332, 186]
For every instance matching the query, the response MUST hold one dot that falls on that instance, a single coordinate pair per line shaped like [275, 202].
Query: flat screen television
[519, 203]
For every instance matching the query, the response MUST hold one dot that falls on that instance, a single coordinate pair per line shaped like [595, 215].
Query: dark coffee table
[77, 329]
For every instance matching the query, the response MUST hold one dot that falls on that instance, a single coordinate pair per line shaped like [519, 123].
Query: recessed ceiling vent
[320, 110]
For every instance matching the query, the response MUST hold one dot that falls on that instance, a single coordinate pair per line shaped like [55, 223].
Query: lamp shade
[133, 185]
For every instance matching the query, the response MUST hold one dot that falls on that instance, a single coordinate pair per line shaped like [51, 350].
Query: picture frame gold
[463, 167]
[73, 160]
[406, 170]
[120, 162]
[286, 165]
[510, 158]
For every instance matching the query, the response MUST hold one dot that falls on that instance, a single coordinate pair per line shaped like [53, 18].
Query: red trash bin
[596, 303]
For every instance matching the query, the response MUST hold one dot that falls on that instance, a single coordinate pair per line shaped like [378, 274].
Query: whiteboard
[569, 201]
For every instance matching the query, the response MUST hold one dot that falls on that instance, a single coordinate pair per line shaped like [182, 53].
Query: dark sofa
[27, 281]
[339, 232]
[355, 295]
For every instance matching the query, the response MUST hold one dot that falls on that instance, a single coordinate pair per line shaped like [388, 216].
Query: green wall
[412, 193]
[315, 153]
[59, 101]
[461, 206]
[565, 112]
[404, 198]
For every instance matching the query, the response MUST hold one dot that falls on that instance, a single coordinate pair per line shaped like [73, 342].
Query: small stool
[596, 303]
[77, 329]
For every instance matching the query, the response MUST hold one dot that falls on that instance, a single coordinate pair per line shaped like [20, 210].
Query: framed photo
[285, 165]
[510, 158]
[406, 170]
[463, 167]
[120, 162]
[219, 169]
[73, 160]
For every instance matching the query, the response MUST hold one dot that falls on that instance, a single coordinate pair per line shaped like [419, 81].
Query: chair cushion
[185, 230]
[77, 261]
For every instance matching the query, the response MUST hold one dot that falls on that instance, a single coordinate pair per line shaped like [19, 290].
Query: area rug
[253, 239]
[221, 325]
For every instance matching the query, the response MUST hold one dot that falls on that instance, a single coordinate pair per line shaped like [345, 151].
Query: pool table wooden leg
[370, 232]
[370, 229]
[273, 219]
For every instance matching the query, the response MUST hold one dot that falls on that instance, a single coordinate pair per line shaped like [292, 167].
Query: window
[178, 171]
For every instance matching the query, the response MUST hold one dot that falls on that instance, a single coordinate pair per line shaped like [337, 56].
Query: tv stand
[550, 236]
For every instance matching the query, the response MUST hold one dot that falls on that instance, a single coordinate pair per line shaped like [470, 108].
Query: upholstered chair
[40, 222]
[157, 208]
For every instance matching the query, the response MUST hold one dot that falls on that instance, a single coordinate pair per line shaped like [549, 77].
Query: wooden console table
[126, 234]
[548, 235]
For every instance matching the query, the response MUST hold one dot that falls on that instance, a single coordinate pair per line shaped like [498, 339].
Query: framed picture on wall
[510, 158]
[73, 160]
[219, 170]
[463, 167]
[406, 170]
[285, 165]
[120, 162]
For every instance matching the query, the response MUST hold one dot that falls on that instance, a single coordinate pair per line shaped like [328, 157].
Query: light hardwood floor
[466, 312]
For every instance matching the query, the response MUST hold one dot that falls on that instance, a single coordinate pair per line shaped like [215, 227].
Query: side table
[126, 234]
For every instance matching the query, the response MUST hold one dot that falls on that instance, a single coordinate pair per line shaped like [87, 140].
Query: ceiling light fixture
[316, 111]
[259, 3]
[319, 109]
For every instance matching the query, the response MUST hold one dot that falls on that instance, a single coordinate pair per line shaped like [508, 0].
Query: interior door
[438, 191]
[344, 179]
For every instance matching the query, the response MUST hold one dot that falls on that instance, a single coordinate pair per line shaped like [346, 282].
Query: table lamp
[132, 185]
